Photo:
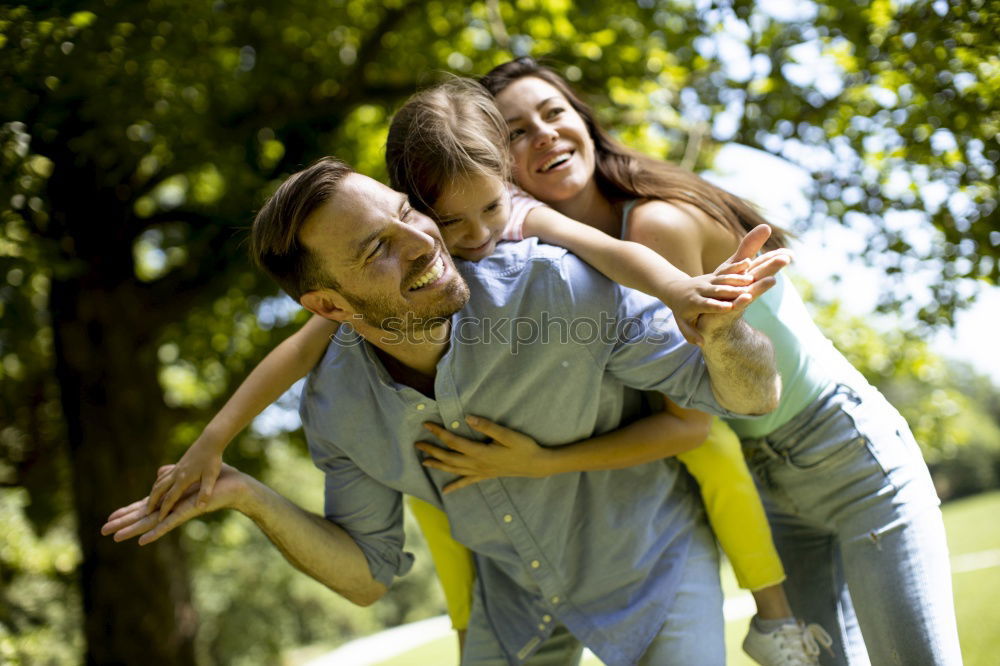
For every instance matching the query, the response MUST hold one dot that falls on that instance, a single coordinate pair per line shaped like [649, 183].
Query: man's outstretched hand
[317, 546]
[133, 520]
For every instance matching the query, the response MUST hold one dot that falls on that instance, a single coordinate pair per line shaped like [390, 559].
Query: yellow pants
[734, 508]
[731, 501]
[452, 560]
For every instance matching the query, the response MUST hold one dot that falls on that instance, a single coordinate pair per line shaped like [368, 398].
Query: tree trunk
[137, 601]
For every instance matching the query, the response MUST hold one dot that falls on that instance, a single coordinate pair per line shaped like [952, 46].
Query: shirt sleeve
[369, 511]
[521, 203]
[642, 346]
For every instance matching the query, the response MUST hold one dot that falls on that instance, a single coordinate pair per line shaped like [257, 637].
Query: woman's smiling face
[551, 150]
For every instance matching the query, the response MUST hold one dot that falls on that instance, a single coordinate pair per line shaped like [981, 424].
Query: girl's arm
[287, 363]
[636, 266]
[667, 433]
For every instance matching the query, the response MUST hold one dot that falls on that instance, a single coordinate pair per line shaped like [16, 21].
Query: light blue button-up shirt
[547, 346]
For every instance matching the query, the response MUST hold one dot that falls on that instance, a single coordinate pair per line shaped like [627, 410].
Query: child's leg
[772, 603]
[453, 561]
[737, 515]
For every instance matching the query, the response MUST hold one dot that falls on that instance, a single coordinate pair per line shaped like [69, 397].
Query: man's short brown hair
[274, 237]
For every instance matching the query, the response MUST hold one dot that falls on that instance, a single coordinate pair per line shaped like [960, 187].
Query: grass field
[973, 526]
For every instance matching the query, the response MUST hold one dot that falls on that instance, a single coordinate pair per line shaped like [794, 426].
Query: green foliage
[933, 394]
[952, 410]
[136, 140]
[243, 587]
[40, 615]
[902, 131]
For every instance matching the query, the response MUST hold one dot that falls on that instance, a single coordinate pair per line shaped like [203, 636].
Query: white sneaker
[791, 645]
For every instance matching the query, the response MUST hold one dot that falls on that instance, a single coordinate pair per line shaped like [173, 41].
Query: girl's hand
[703, 294]
[201, 463]
[510, 453]
[729, 288]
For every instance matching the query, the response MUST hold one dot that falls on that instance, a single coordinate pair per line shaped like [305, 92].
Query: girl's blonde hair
[450, 131]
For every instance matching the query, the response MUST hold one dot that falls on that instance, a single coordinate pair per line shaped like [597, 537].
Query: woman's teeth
[436, 269]
[555, 161]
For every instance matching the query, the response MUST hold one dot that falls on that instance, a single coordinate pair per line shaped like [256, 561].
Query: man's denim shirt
[549, 347]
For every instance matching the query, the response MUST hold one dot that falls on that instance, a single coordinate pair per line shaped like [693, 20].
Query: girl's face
[551, 149]
[472, 212]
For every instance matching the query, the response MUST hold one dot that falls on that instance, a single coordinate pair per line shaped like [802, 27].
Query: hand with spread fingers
[509, 453]
[704, 294]
[735, 271]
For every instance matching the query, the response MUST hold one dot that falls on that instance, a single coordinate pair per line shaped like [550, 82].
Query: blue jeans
[858, 526]
[694, 630]
[692, 634]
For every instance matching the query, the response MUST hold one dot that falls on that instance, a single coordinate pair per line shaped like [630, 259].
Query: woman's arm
[287, 363]
[661, 435]
[639, 267]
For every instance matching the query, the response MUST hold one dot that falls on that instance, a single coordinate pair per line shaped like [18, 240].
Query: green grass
[973, 526]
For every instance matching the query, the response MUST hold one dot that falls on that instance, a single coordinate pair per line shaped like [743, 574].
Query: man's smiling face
[388, 259]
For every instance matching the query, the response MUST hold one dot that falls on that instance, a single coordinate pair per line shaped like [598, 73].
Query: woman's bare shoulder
[667, 216]
[683, 233]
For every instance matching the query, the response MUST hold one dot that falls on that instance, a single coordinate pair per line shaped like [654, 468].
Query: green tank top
[799, 349]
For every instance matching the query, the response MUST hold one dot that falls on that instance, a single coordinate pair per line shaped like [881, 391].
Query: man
[621, 560]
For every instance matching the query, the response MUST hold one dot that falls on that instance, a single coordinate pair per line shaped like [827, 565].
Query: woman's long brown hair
[623, 173]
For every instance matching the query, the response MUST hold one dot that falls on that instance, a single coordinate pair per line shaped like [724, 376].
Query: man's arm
[740, 359]
[649, 353]
[741, 365]
[312, 544]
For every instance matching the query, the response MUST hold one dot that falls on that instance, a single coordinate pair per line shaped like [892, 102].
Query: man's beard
[381, 312]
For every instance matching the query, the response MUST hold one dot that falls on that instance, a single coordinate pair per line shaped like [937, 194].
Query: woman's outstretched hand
[510, 453]
[761, 269]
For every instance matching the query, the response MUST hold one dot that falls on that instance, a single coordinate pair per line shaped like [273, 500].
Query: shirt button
[454, 425]
[555, 600]
[535, 564]
[508, 518]
[421, 407]
[546, 618]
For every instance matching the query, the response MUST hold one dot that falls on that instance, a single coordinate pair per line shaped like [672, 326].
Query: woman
[854, 512]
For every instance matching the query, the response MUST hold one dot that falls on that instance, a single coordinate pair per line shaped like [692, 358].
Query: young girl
[447, 150]
[853, 508]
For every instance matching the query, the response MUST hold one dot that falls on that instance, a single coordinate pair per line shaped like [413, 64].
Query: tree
[137, 139]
